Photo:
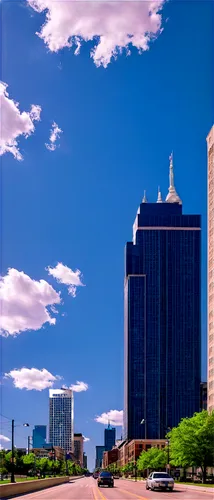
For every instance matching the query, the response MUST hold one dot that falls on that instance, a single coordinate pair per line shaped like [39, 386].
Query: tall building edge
[162, 317]
[210, 270]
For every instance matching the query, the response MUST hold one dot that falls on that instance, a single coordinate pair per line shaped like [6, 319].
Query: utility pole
[12, 458]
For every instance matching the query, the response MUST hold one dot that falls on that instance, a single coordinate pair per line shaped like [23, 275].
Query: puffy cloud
[32, 378]
[79, 386]
[14, 124]
[55, 133]
[4, 438]
[85, 439]
[24, 303]
[65, 275]
[115, 417]
[113, 25]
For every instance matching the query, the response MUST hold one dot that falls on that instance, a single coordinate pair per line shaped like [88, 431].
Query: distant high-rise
[78, 448]
[99, 456]
[109, 437]
[61, 418]
[210, 189]
[39, 436]
[162, 317]
[85, 461]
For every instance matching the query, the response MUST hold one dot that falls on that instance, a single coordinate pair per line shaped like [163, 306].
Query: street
[86, 489]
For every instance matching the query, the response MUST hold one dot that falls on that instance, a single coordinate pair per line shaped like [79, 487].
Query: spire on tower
[144, 200]
[159, 200]
[172, 196]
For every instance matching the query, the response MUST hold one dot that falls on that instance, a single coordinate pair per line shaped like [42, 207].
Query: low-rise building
[135, 447]
[110, 457]
[54, 452]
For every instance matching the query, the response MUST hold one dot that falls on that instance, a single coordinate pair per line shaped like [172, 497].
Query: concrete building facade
[78, 448]
[210, 190]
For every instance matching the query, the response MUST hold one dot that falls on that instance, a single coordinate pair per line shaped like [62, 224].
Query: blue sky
[77, 204]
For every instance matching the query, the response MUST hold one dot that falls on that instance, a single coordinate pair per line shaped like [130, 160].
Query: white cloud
[85, 439]
[113, 25]
[14, 123]
[79, 386]
[55, 133]
[32, 378]
[24, 303]
[4, 438]
[65, 275]
[115, 417]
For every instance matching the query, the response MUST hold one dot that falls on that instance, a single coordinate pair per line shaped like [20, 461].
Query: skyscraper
[61, 418]
[109, 437]
[39, 436]
[99, 456]
[162, 317]
[210, 189]
[78, 448]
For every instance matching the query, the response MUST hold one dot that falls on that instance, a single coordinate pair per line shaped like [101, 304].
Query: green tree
[29, 462]
[192, 442]
[55, 466]
[154, 458]
[44, 466]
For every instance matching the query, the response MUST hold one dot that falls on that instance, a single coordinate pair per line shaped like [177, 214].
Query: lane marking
[133, 494]
[94, 493]
[101, 494]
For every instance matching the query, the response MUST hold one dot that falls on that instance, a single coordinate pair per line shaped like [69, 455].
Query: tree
[44, 465]
[192, 442]
[56, 466]
[29, 461]
[154, 458]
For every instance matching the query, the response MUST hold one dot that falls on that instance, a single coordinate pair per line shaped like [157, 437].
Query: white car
[159, 480]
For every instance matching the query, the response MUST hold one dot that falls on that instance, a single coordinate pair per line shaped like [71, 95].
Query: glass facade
[99, 456]
[210, 192]
[61, 418]
[39, 436]
[162, 320]
[109, 438]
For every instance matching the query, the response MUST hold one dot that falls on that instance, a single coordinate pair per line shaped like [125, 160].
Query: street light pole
[12, 480]
[12, 457]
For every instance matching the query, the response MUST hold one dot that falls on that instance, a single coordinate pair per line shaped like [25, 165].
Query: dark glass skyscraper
[39, 436]
[109, 437]
[162, 318]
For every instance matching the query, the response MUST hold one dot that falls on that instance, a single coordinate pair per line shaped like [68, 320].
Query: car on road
[160, 481]
[105, 479]
[96, 475]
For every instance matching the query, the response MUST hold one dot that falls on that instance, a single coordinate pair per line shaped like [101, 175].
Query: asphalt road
[86, 489]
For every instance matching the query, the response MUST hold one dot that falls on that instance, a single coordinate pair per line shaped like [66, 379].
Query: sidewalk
[183, 487]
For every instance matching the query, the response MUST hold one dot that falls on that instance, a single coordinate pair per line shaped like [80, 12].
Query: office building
[78, 448]
[162, 317]
[210, 190]
[110, 457]
[203, 396]
[85, 461]
[99, 456]
[39, 436]
[61, 418]
[109, 437]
